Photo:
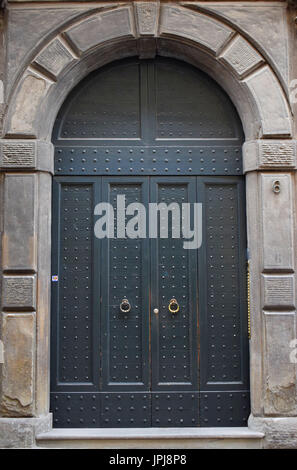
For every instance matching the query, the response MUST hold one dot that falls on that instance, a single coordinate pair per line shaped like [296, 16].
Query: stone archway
[145, 29]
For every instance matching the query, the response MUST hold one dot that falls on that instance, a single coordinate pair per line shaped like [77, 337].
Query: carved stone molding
[147, 48]
[19, 292]
[278, 291]
[26, 155]
[269, 155]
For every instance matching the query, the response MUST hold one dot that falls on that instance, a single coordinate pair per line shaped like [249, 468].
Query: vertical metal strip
[249, 298]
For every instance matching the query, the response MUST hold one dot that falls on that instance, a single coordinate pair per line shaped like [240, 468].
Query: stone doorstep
[237, 437]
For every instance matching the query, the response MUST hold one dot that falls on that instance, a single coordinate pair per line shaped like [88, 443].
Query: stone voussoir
[100, 28]
[241, 57]
[271, 102]
[32, 90]
[209, 33]
[55, 57]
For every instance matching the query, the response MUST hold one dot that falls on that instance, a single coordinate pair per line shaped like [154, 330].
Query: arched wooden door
[155, 131]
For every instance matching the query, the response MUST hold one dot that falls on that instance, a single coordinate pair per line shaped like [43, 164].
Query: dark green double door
[149, 366]
[155, 132]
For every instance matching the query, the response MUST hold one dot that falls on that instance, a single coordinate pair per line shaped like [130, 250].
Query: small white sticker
[1, 92]
[55, 278]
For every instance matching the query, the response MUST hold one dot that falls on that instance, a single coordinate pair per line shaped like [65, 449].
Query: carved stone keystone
[147, 18]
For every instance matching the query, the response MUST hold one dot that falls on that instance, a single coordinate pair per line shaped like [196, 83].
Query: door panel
[224, 364]
[75, 363]
[174, 335]
[125, 274]
[223, 289]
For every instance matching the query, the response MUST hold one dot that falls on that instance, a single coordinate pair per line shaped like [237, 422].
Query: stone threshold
[150, 433]
[237, 437]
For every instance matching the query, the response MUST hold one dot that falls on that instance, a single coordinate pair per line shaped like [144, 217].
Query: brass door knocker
[173, 306]
[125, 306]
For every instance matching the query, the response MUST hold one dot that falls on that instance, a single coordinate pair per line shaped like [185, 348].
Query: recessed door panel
[174, 336]
[224, 288]
[177, 118]
[224, 380]
[125, 276]
[75, 325]
[114, 114]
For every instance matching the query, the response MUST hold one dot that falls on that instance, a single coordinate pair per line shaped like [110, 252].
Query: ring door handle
[125, 306]
[173, 306]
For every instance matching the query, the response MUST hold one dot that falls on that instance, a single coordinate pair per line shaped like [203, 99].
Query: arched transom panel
[125, 119]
